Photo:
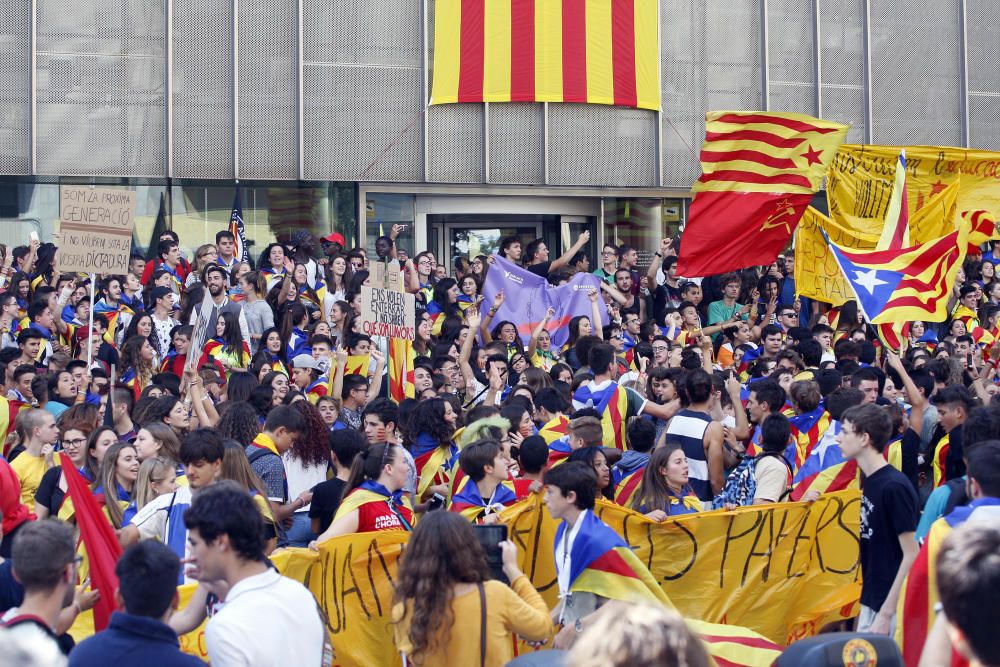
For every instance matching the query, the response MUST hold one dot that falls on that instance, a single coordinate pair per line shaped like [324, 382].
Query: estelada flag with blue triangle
[904, 284]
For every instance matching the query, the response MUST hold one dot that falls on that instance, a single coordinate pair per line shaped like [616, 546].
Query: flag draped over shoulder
[103, 549]
[236, 227]
[825, 469]
[735, 646]
[528, 297]
[587, 51]
[601, 563]
[760, 171]
[905, 284]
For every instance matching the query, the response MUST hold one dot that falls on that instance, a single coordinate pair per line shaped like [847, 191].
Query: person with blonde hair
[157, 476]
[638, 635]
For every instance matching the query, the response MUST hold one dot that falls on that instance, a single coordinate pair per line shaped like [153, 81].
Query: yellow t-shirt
[29, 470]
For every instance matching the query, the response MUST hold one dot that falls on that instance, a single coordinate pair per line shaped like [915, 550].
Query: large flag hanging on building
[236, 227]
[760, 171]
[907, 284]
[588, 51]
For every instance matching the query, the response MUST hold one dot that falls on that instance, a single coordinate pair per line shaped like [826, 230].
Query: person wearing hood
[626, 475]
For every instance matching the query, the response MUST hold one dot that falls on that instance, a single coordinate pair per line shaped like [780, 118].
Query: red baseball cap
[336, 237]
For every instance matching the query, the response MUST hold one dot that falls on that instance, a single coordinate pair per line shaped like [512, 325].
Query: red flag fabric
[98, 537]
[746, 229]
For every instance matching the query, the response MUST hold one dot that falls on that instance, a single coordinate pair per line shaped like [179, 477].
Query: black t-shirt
[11, 592]
[954, 464]
[49, 495]
[888, 509]
[911, 451]
[541, 269]
[663, 296]
[325, 501]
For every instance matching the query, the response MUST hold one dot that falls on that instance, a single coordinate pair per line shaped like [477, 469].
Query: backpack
[741, 485]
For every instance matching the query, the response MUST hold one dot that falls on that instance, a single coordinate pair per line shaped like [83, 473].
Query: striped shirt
[688, 427]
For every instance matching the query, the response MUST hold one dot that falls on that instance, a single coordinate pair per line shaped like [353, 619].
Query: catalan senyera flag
[401, 358]
[915, 610]
[760, 170]
[628, 487]
[9, 409]
[906, 284]
[587, 51]
[982, 228]
[602, 563]
[735, 646]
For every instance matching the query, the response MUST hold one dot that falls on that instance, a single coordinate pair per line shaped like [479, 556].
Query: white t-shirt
[268, 621]
[301, 477]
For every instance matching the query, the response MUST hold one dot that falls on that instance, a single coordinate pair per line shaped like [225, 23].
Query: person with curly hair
[434, 452]
[240, 422]
[447, 611]
[306, 464]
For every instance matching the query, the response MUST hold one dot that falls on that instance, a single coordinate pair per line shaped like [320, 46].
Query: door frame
[444, 239]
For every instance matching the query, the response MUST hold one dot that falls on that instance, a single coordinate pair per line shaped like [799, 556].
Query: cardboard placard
[95, 229]
[386, 275]
[388, 313]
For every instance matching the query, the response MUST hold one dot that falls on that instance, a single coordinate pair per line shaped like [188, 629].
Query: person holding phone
[447, 611]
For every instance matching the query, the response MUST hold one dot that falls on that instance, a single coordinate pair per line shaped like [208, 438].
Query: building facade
[319, 108]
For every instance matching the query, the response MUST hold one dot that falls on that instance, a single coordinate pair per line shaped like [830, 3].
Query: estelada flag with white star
[760, 170]
[905, 284]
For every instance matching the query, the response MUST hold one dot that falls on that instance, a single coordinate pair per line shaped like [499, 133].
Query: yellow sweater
[517, 609]
[29, 470]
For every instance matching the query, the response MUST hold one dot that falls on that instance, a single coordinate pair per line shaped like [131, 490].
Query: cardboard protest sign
[386, 312]
[95, 228]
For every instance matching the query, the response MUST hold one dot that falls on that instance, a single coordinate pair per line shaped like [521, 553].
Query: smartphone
[490, 538]
[968, 360]
[33, 235]
[435, 503]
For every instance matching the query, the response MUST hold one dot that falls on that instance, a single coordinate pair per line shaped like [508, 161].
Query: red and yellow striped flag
[760, 171]
[401, 358]
[588, 51]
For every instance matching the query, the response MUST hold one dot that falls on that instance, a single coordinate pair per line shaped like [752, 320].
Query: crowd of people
[222, 408]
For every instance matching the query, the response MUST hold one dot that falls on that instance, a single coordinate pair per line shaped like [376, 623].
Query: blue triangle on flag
[873, 286]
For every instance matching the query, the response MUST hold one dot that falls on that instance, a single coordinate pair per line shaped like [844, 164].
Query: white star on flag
[868, 279]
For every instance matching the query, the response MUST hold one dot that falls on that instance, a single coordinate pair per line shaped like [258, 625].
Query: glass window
[635, 222]
[382, 211]
[270, 213]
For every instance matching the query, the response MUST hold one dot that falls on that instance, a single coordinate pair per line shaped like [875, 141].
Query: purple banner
[527, 296]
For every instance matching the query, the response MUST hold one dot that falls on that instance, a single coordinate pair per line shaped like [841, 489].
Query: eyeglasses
[609, 252]
[75, 442]
[660, 348]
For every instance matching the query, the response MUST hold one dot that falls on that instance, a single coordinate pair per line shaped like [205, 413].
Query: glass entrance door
[469, 236]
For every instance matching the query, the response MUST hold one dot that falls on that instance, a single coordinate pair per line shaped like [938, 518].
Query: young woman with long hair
[306, 465]
[595, 458]
[295, 340]
[236, 467]
[444, 303]
[314, 297]
[373, 496]
[157, 476]
[156, 439]
[116, 481]
[171, 411]
[423, 339]
[138, 358]
[204, 256]
[227, 346]
[260, 317]
[274, 263]
[339, 277]
[444, 593]
[432, 427]
[141, 325]
[665, 490]
[52, 489]
[341, 317]
[272, 351]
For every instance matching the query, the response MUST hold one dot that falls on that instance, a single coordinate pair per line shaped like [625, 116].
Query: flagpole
[90, 324]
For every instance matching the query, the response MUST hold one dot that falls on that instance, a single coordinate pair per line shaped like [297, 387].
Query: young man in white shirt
[268, 620]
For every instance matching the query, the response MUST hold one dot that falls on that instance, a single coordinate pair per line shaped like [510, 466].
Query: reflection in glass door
[470, 243]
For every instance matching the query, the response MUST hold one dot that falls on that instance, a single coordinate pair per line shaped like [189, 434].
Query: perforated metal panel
[516, 143]
[708, 64]
[15, 87]
[203, 89]
[983, 21]
[791, 56]
[843, 69]
[100, 87]
[354, 31]
[455, 143]
[362, 123]
[916, 80]
[592, 144]
[268, 69]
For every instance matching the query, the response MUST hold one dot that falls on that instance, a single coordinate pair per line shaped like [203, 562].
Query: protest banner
[95, 228]
[389, 313]
[783, 570]
[860, 180]
[386, 275]
[529, 296]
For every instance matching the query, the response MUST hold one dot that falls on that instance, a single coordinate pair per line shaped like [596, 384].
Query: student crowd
[220, 409]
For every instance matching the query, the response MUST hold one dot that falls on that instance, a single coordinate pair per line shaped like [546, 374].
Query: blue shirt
[132, 640]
